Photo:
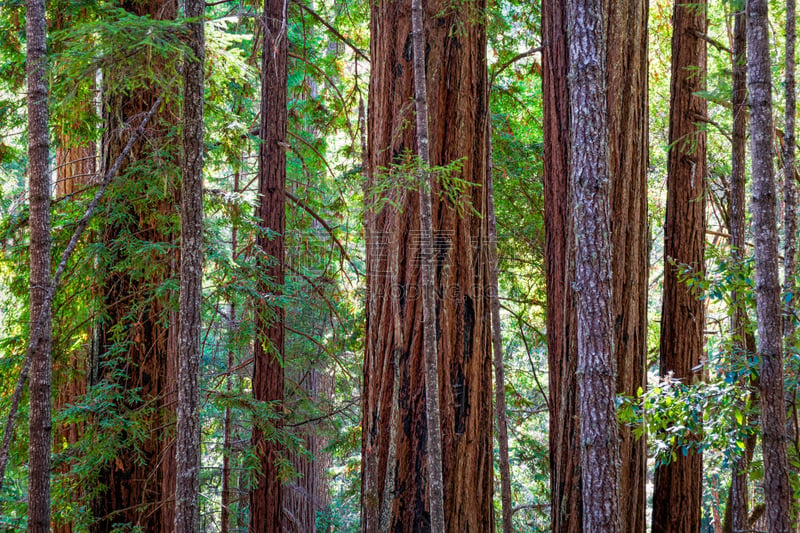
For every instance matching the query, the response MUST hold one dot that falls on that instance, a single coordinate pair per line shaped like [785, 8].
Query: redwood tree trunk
[627, 122]
[266, 498]
[76, 166]
[777, 492]
[39, 444]
[138, 334]
[394, 476]
[628, 158]
[678, 485]
[308, 494]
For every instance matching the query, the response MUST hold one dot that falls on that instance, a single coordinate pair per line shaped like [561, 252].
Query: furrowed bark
[678, 484]
[266, 498]
[187, 446]
[777, 492]
[395, 475]
[626, 89]
[591, 215]
[40, 426]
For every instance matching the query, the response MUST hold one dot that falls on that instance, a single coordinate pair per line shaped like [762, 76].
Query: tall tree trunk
[266, 498]
[627, 122]
[626, 85]
[736, 511]
[790, 217]
[678, 484]
[39, 222]
[227, 448]
[138, 335]
[591, 218]
[394, 438]
[187, 448]
[497, 342]
[777, 492]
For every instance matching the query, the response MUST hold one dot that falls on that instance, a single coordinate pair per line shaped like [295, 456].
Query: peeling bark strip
[431, 366]
[682, 316]
[591, 215]
[266, 498]
[777, 492]
[40, 442]
[187, 446]
[456, 82]
[626, 89]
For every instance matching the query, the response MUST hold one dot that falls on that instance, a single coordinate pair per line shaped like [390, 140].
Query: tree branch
[333, 30]
[41, 320]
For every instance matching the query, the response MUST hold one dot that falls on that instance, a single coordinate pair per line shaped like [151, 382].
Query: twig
[325, 225]
[713, 42]
[513, 60]
[333, 30]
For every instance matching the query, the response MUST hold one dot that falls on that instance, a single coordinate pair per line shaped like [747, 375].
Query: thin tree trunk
[266, 498]
[497, 341]
[777, 492]
[790, 214]
[591, 215]
[736, 511]
[227, 449]
[187, 448]
[432, 411]
[40, 439]
[682, 316]
[225, 511]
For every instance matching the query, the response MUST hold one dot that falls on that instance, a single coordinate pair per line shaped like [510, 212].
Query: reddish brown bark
[627, 100]
[394, 477]
[75, 167]
[139, 339]
[678, 485]
[307, 495]
[266, 498]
